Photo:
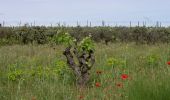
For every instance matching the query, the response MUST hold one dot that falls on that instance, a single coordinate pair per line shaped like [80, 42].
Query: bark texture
[85, 63]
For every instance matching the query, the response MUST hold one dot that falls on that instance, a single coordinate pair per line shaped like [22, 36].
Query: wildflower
[98, 72]
[124, 76]
[81, 97]
[168, 62]
[98, 84]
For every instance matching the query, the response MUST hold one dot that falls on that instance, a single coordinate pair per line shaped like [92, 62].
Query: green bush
[42, 35]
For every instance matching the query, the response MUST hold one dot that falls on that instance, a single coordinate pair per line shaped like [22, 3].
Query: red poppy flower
[124, 76]
[98, 84]
[168, 62]
[81, 97]
[98, 71]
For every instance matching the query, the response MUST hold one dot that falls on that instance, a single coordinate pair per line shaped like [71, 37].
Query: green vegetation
[49, 35]
[46, 63]
[40, 72]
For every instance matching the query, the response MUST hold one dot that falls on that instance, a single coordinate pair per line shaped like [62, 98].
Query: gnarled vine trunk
[81, 70]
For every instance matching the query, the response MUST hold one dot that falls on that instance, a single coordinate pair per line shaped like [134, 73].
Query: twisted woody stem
[85, 62]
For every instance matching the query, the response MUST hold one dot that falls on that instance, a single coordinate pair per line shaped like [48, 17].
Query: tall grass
[145, 65]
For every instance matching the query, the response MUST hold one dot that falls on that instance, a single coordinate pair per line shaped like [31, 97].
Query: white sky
[52, 11]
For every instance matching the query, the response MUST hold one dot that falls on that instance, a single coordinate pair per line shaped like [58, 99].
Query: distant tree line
[45, 35]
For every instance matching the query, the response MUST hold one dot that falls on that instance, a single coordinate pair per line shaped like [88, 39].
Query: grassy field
[30, 72]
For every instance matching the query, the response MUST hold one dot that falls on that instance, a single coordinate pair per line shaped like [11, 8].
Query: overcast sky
[50, 11]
